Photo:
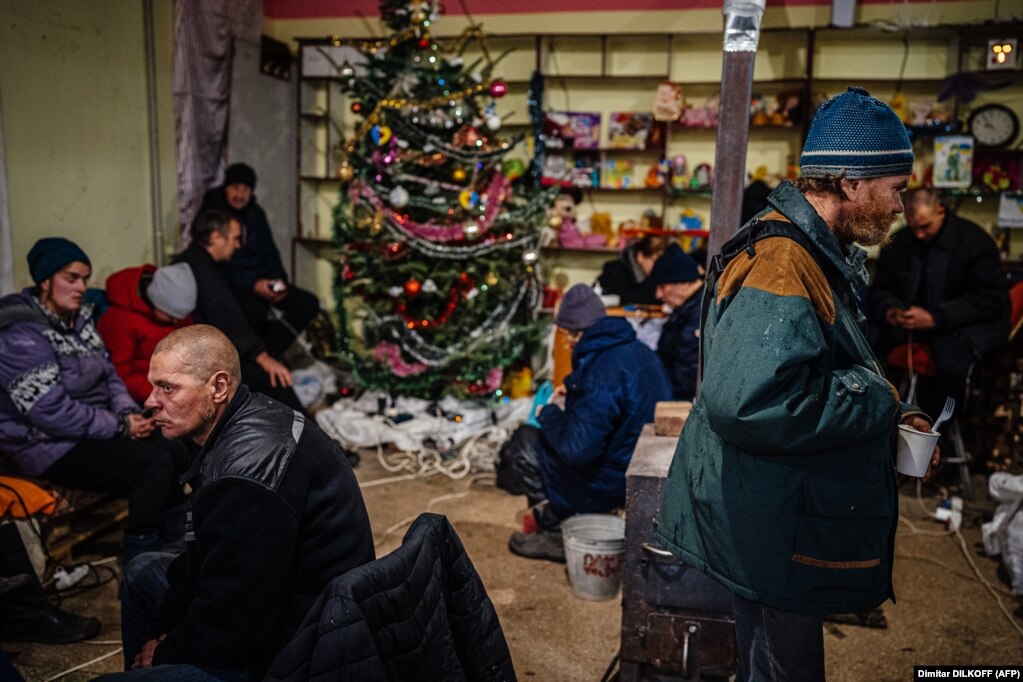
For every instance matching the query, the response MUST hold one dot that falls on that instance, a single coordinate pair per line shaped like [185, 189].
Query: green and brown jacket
[783, 483]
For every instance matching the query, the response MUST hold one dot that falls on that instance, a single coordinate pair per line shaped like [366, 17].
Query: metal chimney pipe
[741, 36]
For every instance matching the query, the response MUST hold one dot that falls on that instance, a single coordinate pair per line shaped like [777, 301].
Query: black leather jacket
[275, 513]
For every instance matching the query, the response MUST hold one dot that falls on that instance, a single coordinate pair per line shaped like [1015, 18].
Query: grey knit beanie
[173, 290]
[580, 308]
[855, 134]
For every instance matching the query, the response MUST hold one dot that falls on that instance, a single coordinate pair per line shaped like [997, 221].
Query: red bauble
[424, 42]
[463, 277]
[348, 274]
[356, 107]
[412, 287]
[498, 89]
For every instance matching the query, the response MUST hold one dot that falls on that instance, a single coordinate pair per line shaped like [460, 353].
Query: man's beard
[869, 225]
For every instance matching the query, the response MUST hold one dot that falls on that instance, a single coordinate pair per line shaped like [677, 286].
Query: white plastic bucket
[594, 554]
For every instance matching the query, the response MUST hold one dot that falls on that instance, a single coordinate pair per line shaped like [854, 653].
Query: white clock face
[993, 126]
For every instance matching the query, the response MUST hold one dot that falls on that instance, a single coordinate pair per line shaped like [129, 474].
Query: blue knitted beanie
[50, 254]
[580, 308]
[855, 134]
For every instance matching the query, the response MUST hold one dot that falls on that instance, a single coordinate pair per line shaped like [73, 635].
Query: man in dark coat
[215, 236]
[275, 514]
[679, 284]
[575, 462]
[628, 277]
[940, 283]
[256, 269]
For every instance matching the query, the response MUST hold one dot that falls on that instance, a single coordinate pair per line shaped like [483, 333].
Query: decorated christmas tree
[437, 224]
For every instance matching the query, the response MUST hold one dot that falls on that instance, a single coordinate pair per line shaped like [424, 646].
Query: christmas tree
[438, 226]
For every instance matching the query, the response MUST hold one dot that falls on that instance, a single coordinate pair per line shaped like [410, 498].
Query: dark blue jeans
[142, 590]
[776, 645]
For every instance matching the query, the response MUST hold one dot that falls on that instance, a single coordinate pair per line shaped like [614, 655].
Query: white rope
[410, 465]
[84, 665]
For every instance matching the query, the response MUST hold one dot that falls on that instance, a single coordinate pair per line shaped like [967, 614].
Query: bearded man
[783, 485]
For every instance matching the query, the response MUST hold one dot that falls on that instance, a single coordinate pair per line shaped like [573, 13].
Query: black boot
[26, 615]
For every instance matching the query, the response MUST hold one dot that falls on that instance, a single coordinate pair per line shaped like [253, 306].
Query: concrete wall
[73, 91]
[261, 133]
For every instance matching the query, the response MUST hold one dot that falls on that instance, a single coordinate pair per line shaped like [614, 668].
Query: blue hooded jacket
[614, 385]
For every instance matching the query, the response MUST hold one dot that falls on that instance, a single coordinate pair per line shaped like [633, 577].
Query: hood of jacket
[850, 261]
[600, 336]
[123, 289]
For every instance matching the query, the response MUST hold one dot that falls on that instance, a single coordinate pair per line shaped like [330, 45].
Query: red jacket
[130, 329]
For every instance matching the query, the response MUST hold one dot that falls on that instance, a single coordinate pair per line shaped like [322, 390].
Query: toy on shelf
[563, 219]
[953, 161]
[587, 170]
[703, 178]
[618, 174]
[705, 116]
[657, 176]
[780, 111]
[668, 102]
[631, 130]
[572, 130]
[688, 221]
[679, 172]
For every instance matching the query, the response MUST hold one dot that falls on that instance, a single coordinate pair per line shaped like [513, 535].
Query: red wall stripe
[334, 9]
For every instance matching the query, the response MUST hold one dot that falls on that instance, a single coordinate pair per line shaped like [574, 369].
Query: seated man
[256, 268]
[940, 283]
[146, 304]
[215, 237]
[679, 284]
[628, 277]
[65, 415]
[275, 513]
[575, 462]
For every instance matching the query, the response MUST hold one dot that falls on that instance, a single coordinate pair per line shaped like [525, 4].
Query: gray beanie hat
[580, 308]
[173, 290]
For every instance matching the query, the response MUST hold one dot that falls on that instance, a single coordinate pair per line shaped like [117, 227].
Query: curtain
[204, 35]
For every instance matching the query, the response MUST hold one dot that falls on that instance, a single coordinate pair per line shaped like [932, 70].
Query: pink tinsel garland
[390, 354]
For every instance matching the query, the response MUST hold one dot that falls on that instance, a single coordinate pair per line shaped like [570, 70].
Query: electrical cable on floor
[409, 519]
[430, 461]
[951, 569]
[84, 665]
[966, 553]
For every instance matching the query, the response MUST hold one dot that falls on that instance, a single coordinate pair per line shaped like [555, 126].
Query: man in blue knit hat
[783, 486]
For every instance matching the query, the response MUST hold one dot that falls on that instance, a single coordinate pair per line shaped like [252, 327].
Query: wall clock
[993, 125]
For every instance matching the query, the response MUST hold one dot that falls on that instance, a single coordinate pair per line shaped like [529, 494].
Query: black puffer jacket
[275, 514]
[258, 256]
[419, 613]
[624, 278]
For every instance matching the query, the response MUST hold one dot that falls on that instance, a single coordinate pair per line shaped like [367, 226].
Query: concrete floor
[943, 615]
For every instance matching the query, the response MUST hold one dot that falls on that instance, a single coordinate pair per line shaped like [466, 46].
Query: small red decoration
[498, 89]
[412, 287]
[424, 42]
[347, 273]
[356, 107]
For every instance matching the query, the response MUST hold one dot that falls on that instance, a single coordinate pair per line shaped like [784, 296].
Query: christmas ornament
[491, 279]
[468, 198]
[471, 230]
[424, 42]
[356, 107]
[498, 89]
[513, 168]
[345, 172]
[395, 292]
[346, 70]
[418, 17]
[458, 175]
[412, 287]
[494, 122]
[529, 257]
[554, 221]
[380, 134]
[399, 197]
[429, 287]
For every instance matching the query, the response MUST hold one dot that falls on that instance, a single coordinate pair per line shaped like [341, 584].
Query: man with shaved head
[274, 514]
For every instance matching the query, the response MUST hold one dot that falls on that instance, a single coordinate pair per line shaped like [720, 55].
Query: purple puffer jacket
[57, 386]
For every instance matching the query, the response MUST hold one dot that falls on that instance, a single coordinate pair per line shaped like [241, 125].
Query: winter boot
[26, 615]
[540, 544]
